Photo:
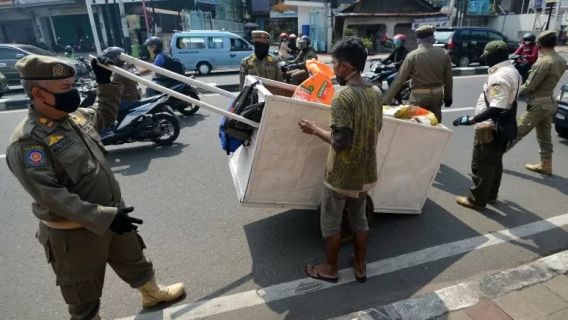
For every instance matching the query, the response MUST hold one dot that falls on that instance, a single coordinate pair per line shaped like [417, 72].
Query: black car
[11, 53]
[465, 44]
[561, 116]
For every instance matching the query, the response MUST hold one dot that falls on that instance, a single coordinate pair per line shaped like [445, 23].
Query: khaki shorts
[331, 214]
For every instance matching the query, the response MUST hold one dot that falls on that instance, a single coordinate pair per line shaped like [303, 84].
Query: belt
[428, 90]
[62, 225]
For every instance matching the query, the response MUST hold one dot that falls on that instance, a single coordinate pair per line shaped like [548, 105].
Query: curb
[467, 294]
[8, 104]
[469, 71]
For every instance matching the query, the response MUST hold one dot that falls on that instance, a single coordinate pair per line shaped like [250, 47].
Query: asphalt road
[198, 233]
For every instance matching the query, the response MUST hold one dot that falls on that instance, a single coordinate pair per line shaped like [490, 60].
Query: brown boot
[464, 201]
[544, 167]
[153, 293]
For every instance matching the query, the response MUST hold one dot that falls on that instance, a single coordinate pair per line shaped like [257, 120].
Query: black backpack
[173, 64]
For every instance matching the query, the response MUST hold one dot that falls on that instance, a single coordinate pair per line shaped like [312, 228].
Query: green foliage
[349, 32]
[367, 42]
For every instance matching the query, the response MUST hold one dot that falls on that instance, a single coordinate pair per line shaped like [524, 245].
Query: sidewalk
[535, 291]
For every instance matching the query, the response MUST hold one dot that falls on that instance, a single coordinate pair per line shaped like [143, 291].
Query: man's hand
[308, 127]
[101, 74]
[463, 121]
[448, 103]
[123, 223]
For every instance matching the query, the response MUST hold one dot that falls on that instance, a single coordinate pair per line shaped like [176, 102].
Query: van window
[495, 36]
[478, 35]
[215, 43]
[239, 45]
[464, 35]
[443, 36]
[190, 42]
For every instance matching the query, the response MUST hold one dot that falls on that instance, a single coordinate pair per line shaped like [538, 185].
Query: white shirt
[501, 90]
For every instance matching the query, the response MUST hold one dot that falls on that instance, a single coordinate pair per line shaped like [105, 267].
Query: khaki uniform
[430, 71]
[130, 91]
[541, 106]
[62, 166]
[265, 68]
[501, 91]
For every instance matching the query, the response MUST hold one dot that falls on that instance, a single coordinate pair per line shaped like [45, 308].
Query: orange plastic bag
[318, 87]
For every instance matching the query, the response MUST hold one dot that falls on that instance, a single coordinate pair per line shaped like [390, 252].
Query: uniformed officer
[260, 63]
[430, 71]
[57, 156]
[496, 107]
[541, 107]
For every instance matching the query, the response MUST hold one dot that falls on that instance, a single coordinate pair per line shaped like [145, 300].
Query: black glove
[448, 103]
[101, 74]
[463, 121]
[123, 223]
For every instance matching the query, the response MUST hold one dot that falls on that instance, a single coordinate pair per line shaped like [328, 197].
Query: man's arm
[104, 112]
[401, 77]
[40, 181]
[519, 50]
[448, 80]
[537, 74]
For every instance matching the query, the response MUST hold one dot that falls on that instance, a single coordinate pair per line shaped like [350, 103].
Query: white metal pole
[55, 40]
[178, 95]
[93, 27]
[173, 75]
[102, 23]
[125, 33]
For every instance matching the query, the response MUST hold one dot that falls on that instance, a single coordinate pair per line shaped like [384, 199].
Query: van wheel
[203, 68]
[464, 62]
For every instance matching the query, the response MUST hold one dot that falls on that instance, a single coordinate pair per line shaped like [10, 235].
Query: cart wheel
[346, 232]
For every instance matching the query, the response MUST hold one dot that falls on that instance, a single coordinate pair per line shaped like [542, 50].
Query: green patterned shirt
[359, 109]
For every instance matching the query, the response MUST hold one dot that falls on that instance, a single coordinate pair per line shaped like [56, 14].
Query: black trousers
[487, 169]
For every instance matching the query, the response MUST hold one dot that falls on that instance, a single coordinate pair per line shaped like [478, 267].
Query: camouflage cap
[495, 46]
[260, 36]
[36, 67]
[547, 38]
[424, 31]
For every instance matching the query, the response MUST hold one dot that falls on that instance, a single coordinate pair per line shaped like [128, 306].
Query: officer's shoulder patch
[78, 118]
[269, 58]
[34, 155]
[46, 123]
[495, 89]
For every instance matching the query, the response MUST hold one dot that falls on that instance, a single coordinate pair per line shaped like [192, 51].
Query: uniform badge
[53, 139]
[495, 90]
[45, 122]
[34, 156]
[79, 119]
[58, 71]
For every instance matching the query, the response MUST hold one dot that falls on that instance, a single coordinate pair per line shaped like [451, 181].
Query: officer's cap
[495, 46]
[547, 38]
[260, 36]
[36, 67]
[424, 31]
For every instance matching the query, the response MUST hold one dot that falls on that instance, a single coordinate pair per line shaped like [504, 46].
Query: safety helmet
[283, 36]
[307, 39]
[529, 37]
[400, 37]
[112, 53]
[292, 36]
[154, 41]
[68, 49]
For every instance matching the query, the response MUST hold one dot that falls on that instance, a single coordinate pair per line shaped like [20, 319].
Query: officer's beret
[36, 67]
[424, 31]
[547, 38]
[260, 36]
[495, 46]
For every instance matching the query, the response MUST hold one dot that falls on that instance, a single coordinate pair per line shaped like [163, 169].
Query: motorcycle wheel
[185, 108]
[169, 127]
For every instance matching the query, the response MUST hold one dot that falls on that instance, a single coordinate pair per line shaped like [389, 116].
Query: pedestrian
[351, 169]
[57, 156]
[260, 63]
[541, 107]
[495, 125]
[430, 71]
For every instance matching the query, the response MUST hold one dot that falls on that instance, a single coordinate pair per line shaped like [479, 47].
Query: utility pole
[549, 5]
[93, 27]
[125, 33]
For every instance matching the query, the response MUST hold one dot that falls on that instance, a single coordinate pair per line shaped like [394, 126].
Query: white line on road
[457, 109]
[285, 290]
[2, 156]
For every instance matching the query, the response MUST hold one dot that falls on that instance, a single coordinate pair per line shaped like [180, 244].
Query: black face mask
[67, 101]
[261, 50]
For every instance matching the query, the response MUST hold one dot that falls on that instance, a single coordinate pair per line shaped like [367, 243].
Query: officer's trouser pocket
[81, 287]
[43, 239]
[484, 135]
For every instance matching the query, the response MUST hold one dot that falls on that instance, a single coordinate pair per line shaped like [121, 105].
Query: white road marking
[2, 156]
[251, 298]
[457, 109]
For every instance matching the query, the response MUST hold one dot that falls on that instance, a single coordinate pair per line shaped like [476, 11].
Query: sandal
[312, 272]
[362, 279]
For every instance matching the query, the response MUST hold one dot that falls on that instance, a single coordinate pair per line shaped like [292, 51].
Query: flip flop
[310, 271]
[362, 279]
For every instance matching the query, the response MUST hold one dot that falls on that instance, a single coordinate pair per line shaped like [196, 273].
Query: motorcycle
[521, 66]
[87, 90]
[151, 119]
[187, 109]
[378, 73]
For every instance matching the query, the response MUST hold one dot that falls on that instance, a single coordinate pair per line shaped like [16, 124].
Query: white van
[205, 50]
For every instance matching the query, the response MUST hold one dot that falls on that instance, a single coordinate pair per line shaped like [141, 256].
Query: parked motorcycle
[152, 119]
